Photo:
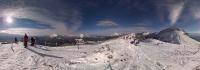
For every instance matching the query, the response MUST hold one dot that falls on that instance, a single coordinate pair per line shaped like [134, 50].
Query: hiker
[25, 40]
[16, 40]
[32, 41]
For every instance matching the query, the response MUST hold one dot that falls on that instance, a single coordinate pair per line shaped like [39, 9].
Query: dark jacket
[25, 38]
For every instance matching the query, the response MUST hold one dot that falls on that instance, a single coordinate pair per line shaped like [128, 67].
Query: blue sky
[44, 17]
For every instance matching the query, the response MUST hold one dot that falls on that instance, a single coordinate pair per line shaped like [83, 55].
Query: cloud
[63, 17]
[173, 9]
[25, 23]
[29, 31]
[110, 31]
[106, 23]
[175, 12]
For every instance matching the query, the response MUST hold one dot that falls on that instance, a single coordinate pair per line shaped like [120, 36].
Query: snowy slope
[116, 54]
[151, 54]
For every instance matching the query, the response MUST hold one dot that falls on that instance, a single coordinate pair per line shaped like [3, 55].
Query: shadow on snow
[42, 54]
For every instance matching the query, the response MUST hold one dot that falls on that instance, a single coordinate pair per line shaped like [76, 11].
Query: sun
[9, 19]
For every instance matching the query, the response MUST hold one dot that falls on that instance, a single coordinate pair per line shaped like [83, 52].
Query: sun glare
[9, 20]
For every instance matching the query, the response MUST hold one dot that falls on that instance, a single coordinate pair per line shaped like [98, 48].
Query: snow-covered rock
[145, 33]
[53, 35]
[129, 36]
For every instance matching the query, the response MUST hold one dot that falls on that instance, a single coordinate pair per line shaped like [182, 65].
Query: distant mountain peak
[173, 28]
[175, 35]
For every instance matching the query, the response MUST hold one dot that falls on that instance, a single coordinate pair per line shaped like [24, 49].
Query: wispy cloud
[174, 9]
[29, 31]
[111, 31]
[175, 12]
[61, 16]
[106, 23]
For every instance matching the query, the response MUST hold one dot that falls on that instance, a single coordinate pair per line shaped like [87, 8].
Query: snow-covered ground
[116, 54]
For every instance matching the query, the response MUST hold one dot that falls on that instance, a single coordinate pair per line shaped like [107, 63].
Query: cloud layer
[71, 16]
[62, 17]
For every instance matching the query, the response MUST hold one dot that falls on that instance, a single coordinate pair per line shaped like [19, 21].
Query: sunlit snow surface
[116, 54]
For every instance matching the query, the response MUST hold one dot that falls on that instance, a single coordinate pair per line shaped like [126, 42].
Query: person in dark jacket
[16, 40]
[25, 40]
[32, 41]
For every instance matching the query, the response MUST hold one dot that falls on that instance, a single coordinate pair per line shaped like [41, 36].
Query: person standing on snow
[16, 41]
[32, 41]
[25, 40]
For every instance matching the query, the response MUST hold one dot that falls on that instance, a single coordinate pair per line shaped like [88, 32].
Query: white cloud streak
[29, 31]
[111, 31]
[106, 23]
[175, 12]
[170, 9]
